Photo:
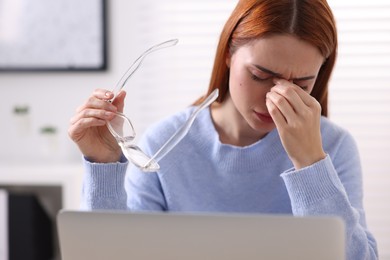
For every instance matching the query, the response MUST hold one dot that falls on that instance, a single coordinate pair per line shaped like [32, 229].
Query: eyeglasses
[137, 63]
[123, 131]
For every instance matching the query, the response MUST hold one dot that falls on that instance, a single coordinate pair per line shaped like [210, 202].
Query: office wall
[52, 97]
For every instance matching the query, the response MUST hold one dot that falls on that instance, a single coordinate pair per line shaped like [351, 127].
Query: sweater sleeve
[103, 186]
[145, 192]
[333, 186]
[121, 185]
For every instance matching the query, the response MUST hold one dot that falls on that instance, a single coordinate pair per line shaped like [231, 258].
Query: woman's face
[254, 66]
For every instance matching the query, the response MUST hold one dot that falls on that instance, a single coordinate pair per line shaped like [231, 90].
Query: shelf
[66, 176]
[58, 186]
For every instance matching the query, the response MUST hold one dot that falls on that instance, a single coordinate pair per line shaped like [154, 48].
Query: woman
[265, 146]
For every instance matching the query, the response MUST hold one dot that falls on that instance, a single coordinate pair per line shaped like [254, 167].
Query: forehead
[283, 54]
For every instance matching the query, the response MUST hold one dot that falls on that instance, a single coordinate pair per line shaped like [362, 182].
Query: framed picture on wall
[59, 35]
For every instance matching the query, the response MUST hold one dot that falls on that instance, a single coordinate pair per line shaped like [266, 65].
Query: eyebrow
[280, 75]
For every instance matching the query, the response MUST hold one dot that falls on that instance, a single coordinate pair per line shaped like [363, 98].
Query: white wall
[54, 96]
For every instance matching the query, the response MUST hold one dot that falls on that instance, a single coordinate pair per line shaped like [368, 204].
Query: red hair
[309, 20]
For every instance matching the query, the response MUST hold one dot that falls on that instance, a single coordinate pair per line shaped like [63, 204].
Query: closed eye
[305, 82]
[305, 88]
[301, 84]
[258, 78]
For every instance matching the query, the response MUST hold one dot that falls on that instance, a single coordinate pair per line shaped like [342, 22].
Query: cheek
[240, 81]
[236, 82]
[244, 89]
[248, 95]
[239, 89]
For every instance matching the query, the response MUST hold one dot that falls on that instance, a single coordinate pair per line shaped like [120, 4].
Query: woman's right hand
[88, 126]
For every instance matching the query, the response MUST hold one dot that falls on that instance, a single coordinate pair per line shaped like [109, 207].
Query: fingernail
[108, 93]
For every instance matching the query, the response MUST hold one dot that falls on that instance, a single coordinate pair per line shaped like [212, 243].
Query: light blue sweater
[203, 175]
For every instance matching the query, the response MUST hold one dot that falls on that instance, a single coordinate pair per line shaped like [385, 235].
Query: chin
[262, 127]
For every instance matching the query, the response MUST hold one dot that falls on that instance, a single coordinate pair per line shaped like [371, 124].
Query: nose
[290, 80]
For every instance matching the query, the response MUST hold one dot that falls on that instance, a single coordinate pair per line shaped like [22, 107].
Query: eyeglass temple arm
[137, 63]
[182, 131]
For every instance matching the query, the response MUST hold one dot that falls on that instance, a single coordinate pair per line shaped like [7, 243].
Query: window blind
[171, 79]
[360, 101]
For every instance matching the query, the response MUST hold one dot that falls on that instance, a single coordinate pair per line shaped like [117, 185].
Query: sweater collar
[258, 154]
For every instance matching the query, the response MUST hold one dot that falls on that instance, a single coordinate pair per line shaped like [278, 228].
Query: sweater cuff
[312, 184]
[104, 179]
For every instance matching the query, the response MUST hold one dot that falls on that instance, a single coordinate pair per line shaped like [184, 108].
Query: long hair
[309, 20]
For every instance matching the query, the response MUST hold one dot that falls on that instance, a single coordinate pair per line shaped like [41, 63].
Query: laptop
[95, 235]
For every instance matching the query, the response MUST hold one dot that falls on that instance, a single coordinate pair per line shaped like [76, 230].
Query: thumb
[119, 100]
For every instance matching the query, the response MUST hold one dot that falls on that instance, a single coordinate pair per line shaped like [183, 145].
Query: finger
[93, 113]
[291, 92]
[103, 94]
[78, 128]
[85, 123]
[283, 106]
[96, 103]
[295, 92]
[277, 116]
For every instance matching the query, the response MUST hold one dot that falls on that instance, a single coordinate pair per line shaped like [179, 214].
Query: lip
[266, 118]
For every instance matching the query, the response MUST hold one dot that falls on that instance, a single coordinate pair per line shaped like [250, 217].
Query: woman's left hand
[296, 115]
